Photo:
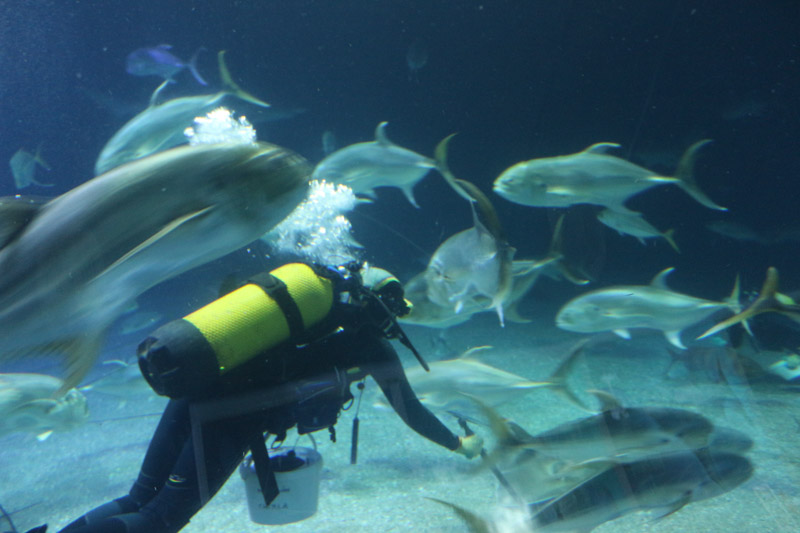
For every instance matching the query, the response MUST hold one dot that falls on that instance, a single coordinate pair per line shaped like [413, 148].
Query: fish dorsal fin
[380, 135]
[473, 352]
[660, 279]
[600, 148]
[16, 212]
[607, 401]
[231, 86]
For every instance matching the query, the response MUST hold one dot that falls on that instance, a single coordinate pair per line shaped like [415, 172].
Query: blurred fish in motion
[653, 306]
[159, 61]
[161, 126]
[34, 403]
[662, 483]
[23, 167]
[72, 266]
[593, 177]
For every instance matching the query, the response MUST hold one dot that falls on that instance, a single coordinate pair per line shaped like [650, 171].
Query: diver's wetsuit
[166, 494]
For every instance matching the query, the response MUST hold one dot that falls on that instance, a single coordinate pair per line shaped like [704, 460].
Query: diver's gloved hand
[470, 446]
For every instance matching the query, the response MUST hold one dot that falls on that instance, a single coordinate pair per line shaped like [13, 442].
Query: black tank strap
[277, 290]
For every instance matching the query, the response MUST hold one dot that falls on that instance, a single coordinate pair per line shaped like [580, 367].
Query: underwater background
[516, 80]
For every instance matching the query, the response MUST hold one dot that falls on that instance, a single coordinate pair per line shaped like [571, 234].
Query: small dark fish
[159, 61]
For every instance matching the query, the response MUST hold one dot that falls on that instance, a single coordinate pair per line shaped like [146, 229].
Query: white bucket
[298, 486]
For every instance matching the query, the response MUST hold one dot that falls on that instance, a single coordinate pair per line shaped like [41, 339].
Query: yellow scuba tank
[188, 356]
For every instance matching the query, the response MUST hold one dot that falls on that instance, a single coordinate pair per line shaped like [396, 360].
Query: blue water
[516, 80]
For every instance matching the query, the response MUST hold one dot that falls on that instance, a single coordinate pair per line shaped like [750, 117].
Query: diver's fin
[685, 176]
[232, 86]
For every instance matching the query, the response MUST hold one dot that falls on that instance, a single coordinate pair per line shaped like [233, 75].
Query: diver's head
[387, 287]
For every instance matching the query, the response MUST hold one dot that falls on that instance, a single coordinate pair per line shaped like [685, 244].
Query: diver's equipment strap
[278, 291]
[264, 472]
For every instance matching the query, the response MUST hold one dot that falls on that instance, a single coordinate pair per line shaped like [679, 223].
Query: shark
[656, 306]
[161, 125]
[365, 166]
[592, 176]
[30, 403]
[71, 266]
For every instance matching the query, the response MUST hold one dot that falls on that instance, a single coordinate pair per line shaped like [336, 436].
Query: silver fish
[592, 177]
[33, 403]
[635, 225]
[23, 167]
[161, 126]
[664, 483]
[84, 257]
[139, 320]
[654, 306]
[379, 163]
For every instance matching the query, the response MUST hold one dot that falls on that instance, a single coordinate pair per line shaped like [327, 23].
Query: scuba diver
[279, 352]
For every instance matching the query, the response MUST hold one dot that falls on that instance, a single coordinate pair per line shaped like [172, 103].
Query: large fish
[524, 274]
[654, 306]
[465, 387]
[81, 259]
[161, 126]
[615, 433]
[476, 262]
[32, 403]
[379, 163]
[592, 177]
[663, 483]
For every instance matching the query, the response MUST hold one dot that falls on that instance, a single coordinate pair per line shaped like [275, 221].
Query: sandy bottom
[70, 473]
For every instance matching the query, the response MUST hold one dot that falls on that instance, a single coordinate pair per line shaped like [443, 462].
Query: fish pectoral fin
[675, 506]
[674, 338]
[624, 333]
[41, 437]
[158, 237]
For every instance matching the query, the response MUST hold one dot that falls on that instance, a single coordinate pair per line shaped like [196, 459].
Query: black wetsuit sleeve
[383, 364]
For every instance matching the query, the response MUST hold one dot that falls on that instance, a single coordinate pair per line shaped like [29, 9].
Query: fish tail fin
[558, 379]
[669, 236]
[193, 66]
[475, 524]
[768, 300]
[38, 158]
[685, 176]
[443, 168]
[232, 86]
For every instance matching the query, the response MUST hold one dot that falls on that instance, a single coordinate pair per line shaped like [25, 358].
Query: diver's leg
[225, 443]
[173, 431]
